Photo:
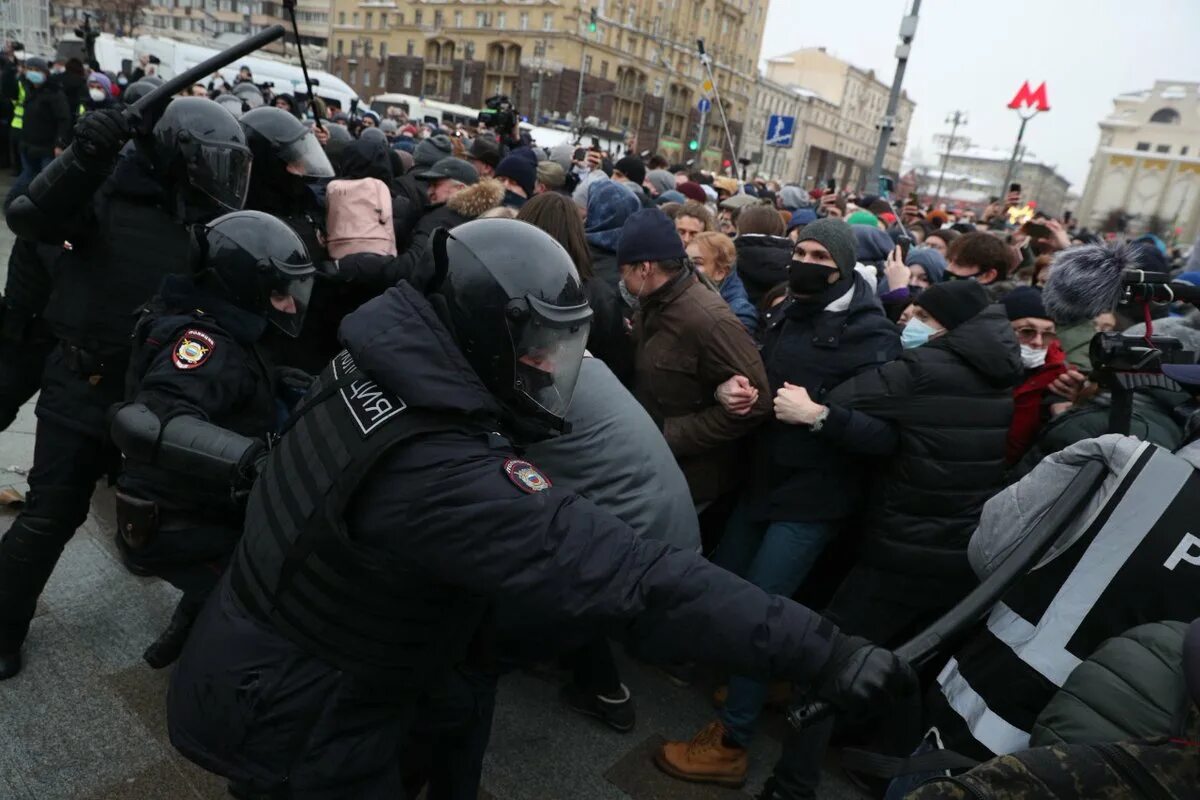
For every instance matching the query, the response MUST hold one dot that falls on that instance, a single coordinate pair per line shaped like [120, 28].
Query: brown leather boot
[705, 759]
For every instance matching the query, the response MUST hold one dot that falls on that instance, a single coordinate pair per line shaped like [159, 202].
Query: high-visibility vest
[18, 120]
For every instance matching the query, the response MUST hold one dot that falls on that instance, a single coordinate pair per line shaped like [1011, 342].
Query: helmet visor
[548, 348]
[287, 299]
[221, 171]
[305, 157]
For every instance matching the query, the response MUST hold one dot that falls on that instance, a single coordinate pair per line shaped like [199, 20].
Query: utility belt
[94, 364]
[140, 521]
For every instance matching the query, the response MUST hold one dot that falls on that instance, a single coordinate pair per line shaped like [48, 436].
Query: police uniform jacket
[442, 524]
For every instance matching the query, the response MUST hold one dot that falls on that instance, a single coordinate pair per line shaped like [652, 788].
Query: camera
[1123, 364]
[499, 114]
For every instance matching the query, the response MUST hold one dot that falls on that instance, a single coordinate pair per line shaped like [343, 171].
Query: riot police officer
[25, 338]
[396, 509]
[288, 163]
[196, 372]
[124, 237]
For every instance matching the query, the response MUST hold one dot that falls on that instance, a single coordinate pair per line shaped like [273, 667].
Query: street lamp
[954, 120]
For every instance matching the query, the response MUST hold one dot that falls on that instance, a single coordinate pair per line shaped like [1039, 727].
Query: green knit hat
[863, 218]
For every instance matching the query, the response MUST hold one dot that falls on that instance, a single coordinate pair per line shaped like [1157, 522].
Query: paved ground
[85, 720]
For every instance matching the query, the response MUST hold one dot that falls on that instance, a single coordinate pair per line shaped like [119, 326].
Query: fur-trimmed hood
[474, 200]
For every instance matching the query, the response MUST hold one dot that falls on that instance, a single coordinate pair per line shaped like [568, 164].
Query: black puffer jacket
[950, 402]
[762, 261]
[609, 339]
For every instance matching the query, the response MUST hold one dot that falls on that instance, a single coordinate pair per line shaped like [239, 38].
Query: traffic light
[693, 145]
[592, 21]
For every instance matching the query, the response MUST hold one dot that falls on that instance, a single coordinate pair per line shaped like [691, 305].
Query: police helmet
[276, 136]
[199, 145]
[258, 263]
[249, 94]
[516, 309]
[138, 89]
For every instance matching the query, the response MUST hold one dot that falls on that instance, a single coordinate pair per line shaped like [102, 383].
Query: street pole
[959, 118]
[541, 64]
[1012, 162]
[579, 91]
[703, 134]
[706, 60]
[908, 29]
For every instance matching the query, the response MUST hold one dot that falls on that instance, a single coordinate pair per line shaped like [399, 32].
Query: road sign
[780, 130]
[1030, 98]
[704, 106]
[707, 86]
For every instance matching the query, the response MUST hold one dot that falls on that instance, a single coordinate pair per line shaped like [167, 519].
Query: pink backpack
[358, 218]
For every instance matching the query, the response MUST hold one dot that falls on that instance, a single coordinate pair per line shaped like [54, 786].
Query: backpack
[358, 218]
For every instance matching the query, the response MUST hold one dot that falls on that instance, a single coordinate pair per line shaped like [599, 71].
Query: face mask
[805, 277]
[916, 333]
[35, 77]
[97, 95]
[1032, 357]
[122, 81]
[952, 277]
[57, 70]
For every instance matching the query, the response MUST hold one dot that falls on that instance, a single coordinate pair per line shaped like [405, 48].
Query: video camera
[499, 114]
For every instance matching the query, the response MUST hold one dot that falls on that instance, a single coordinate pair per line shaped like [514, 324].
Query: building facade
[636, 74]
[975, 175]
[847, 106]
[813, 133]
[198, 21]
[27, 22]
[1147, 164]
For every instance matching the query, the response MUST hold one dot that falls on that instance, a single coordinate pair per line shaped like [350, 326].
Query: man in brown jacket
[687, 344]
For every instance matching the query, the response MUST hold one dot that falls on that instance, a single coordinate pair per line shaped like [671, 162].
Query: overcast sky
[973, 55]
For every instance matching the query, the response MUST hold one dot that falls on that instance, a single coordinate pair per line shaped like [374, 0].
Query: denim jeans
[30, 167]
[776, 557]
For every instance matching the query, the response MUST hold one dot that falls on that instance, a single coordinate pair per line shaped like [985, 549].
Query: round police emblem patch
[526, 476]
[193, 349]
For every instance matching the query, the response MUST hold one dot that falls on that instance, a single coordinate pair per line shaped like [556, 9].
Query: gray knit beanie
[432, 150]
[835, 236]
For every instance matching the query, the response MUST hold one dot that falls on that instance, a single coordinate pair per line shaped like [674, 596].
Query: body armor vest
[366, 609]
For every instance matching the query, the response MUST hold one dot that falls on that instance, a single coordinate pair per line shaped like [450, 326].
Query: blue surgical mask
[35, 77]
[916, 333]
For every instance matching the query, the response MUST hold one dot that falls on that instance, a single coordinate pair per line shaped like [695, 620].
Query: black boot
[169, 644]
[10, 664]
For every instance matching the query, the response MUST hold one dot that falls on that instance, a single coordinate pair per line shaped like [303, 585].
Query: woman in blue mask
[937, 421]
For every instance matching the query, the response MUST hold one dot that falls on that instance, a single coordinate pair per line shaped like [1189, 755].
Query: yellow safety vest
[18, 120]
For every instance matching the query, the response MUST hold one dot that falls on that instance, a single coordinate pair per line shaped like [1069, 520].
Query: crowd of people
[285, 331]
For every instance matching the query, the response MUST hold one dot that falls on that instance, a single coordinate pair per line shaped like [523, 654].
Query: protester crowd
[819, 391]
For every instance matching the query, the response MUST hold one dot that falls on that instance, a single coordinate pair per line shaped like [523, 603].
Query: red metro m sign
[1029, 99]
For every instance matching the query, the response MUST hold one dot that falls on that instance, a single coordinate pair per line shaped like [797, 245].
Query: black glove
[249, 466]
[100, 135]
[861, 678]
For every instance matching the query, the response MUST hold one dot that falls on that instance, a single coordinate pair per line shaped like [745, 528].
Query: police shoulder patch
[193, 349]
[526, 476]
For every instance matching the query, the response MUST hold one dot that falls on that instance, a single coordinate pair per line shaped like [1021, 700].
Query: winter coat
[615, 456]
[762, 262]
[1158, 417]
[1031, 403]
[687, 343]
[610, 338]
[733, 292]
[47, 119]
[796, 475]
[1132, 687]
[948, 405]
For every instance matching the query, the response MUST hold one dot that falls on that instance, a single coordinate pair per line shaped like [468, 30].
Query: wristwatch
[819, 422]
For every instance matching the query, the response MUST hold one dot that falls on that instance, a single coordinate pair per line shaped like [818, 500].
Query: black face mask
[807, 278]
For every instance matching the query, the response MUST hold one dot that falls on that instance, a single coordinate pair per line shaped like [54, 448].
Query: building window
[1167, 116]
[587, 65]
[523, 19]
[1163, 148]
[382, 55]
[466, 86]
[604, 69]
[370, 19]
[340, 45]
[366, 79]
[341, 18]
[547, 22]
[383, 20]
[408, 51]
[437, 18]
[408, 76]
[1183, 151]
[367, 49]
[458, 19]
[1143, 146]
[400, 19]
[418, 17]
[354, 18]
[353, 74]
[480, 19]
